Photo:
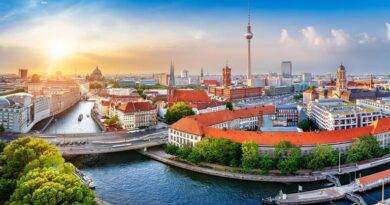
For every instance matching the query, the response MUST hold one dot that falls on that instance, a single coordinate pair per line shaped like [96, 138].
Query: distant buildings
[226, 76]
[121, 91]
[23, 74]
[278, 90]
[286, 69]
[307, 77]
[334, 114]
[172, 82]
[286, 116]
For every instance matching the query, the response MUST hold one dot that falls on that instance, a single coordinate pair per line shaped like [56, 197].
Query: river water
[130, 178]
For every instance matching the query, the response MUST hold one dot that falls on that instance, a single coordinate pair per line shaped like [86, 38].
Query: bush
[322, 156]
[178, 111]
[287, 156]
[171, 149]
[266, 163]
[363, 148]
[250, 155]
[184, 151]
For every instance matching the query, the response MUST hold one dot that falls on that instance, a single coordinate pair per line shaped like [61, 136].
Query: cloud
[339, 37]
[286, 39]
[364, 38]
[199, 34]
[311, 36]
[388, 31]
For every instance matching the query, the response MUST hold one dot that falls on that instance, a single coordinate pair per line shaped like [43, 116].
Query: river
[130, 178]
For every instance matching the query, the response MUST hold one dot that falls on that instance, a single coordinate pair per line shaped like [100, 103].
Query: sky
[123, 37]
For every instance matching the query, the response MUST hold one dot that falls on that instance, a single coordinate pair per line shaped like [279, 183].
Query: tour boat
[80, 117]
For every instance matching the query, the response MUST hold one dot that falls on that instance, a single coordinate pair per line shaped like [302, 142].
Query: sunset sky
[143, 36]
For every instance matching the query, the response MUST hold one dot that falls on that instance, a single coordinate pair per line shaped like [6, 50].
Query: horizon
[142, 37]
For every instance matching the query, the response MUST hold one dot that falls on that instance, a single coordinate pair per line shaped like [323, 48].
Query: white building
[185, 73]
[256, 82]
[381, 105]
[41, 107]
[306, 77]
[286, 69]
[334, 114]
[121, 91]
[135, 115]
[16, 112]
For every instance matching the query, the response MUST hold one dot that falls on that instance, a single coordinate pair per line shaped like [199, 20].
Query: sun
[57, 50]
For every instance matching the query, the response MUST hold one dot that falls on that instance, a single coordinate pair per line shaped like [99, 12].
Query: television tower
[249, 35]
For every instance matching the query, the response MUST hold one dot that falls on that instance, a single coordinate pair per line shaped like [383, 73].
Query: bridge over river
[108, 142]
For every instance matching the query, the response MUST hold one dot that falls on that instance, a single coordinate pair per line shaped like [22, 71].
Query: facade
[185, 73]
[226, 76]
[136, 115]
[172, 82]
[162, 79]
[334, 114]
[121, 91]
[286, 69]
[41, 107]
[278, 90]
[307, 77]
[382, 105]
[127, 83]
[23, 74]
[16, 113]
[309, 95]
[286, 116]
[227, 125]
[235, 93]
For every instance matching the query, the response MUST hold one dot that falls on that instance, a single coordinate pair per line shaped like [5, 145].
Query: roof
[131, 107]
[196, 124]
[297, 138]
[374, 177]
[188, 95]
[381, 126]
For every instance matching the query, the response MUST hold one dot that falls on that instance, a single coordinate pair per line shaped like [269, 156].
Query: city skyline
[137, 37]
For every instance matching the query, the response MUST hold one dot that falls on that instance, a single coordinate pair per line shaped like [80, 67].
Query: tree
[50, 186]
[266, 163]
[229, 105]
[184, 151]
[363, 148]
[249, 155]
[113, 122]
[287, 157]
[2, 146]
[2, 129]
[322, 156]
[307, 125]
[171, 149]
[177, 111]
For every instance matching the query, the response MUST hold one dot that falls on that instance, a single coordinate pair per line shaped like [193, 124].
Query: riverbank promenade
[160, 155]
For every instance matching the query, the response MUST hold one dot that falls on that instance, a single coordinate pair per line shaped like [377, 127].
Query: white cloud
[364, 38]
[388, 31]
[199, 34]
[311, 36]
[339, 37]
[286, 39]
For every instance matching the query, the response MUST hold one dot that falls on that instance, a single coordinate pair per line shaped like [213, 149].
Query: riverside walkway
[334, 193]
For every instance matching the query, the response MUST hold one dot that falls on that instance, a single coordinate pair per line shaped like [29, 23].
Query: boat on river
[80, 117]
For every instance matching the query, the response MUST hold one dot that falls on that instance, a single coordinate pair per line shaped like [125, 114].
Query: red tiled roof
[204, 105]
[381, 126]
[196, 124]
[211, 82]
[374, 177]
[184, 95]
[131, 107]
[296, 138]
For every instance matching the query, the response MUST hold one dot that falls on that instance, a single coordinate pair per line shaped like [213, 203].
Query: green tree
[184, 151]
[307, 125]
[113, 122]
[287, 157]
[2, 129]
[229, 105]
[322, 156]
[363, 148]
[177, 111]
[266, 163]
[50, 186]
[249, 155]
[171, 149]
[2, 146]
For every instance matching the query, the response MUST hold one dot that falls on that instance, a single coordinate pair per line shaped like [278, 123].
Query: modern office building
[334, 114]
[286, 69]
[16, 112]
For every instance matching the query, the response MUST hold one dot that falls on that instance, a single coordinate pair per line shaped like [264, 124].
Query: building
[126, 83]
[136, 115]
[341, 80]
[162, 79]
[189, 130]
[382, 105]
[235, 93]
[278, 90]
[231, 125]
[226, 76]
[286, 116]
[121, 91]
[286, 69]
[256, 82]
[334, 114]
[96, 75]
[16, 112]
[23, 74]
[185, 73]
[307, 77]
[147, 82]
[309, 95]
[41, 107]
[172, 76]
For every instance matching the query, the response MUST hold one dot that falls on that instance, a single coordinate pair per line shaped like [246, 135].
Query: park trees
[364, 148]
[113, 122]
[307, 125]
[250, 155]
[322, 156]
[287, 157]
[177, 111]
[229, 105]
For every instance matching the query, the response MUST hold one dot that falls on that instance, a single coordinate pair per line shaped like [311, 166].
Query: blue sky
[142, 36]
